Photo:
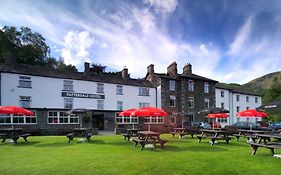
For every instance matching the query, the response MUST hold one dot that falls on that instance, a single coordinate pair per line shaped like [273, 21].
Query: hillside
[263, 82]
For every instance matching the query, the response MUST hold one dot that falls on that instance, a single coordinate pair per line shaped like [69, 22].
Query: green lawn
[113, 155]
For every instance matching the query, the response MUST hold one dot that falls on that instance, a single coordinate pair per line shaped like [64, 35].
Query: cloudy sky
[226, 40]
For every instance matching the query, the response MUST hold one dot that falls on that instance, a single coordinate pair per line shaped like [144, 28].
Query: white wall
[46, 93]
[230, 104]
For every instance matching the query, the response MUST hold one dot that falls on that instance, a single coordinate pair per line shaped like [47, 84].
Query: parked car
[204, 125]
[263, 123]
[215, 125]
[249, 125]
[275, 126]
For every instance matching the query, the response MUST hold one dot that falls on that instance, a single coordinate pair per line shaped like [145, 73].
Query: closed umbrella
[150, 112]
[251, 113]
[15, 110]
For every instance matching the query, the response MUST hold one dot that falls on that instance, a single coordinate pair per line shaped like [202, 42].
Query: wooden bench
[71, 136]
[15, 137]
[269, 145]
[143, 142]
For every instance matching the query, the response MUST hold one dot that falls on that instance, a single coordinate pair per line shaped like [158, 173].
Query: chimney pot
[172, 69]
[125, 74]
[187, 69]
[150, 69]
[86, 69]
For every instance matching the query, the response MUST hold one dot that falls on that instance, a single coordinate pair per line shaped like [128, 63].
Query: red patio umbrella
[217, 115]
[150, 112]
[15, 110]
[251, 113]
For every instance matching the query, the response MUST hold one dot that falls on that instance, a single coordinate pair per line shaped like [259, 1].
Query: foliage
[112, 155]
[29, 48]
[98, 68]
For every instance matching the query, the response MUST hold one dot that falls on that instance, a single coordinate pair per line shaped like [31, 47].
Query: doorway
[98, 121]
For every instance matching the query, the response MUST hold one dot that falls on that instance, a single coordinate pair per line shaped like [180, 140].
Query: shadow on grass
[18, 143]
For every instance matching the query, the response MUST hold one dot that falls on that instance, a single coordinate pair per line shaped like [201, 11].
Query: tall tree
[275, 89]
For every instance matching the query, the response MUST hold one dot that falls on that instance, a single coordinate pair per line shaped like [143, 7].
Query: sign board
[82, 95]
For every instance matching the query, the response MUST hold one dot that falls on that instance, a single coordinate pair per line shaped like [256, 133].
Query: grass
[113, 155]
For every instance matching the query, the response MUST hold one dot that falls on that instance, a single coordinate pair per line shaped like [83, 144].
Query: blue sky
[226, 40]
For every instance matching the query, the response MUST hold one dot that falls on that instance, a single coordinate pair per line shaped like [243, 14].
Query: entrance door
[98, 121]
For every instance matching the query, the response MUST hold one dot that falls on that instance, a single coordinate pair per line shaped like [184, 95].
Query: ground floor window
[56, 117]
[154, 120]
[222, 120]
[127, 120]
[18, 119]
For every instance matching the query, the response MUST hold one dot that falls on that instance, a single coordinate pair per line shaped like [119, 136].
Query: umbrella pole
[80, 122]
[12, 120]
[213, 124]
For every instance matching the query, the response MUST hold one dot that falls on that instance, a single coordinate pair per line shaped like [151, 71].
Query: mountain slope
[263, 82]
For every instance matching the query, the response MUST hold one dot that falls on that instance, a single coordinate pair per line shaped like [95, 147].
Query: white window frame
[60, 117]
[172, 85]
[256, 99]
[154, 120]
[206, 87]
[68, 103]
[222, 94]
[143, 91]
[191, 102]
[100, 104]
[67, 85]
[127, 120]
[190, 85]
[24, 82]
[120, 105]
[119, 90]
[22, 118]
[237, 108]
[247, 99]
[25, 101]
[100, 88]
[222, 105]
[172, 101]
[143, 104]
[237, 97]
[206, 101]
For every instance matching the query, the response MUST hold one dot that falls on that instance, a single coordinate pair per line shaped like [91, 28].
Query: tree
[275, 89]
[98, 68]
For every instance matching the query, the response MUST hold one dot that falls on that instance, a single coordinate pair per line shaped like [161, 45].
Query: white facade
[46, 92]
[235, 104]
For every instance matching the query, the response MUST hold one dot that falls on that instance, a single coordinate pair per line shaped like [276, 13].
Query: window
[143, 91]
[190, 85]
[247, 108]
[172, 100]
[237, 97]
[256, 99]
[100, 88]
[206, 87]
[247, 99]
[119, 90]
[206, 103]
[154, 120]
[238, 119]
[142, 105]
[126, 119]
[172, 85]
[222, 105]
[191, 102]
[68, 103]
[18, 119]
[222, 120]
[120, 105]
[237, 108]
[25, 101]
[99, 104]
[67, 85]
[173, 119]
[222, 94]
[24, 82]
[59, 117]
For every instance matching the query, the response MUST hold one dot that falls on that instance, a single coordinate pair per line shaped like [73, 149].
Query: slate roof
[47, 72]
[236, 90]
[191, 76]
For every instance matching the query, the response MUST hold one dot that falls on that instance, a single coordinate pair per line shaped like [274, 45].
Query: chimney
[86, 69]
[172, 69]
[125, 74]
[187, 69]
[9, 58]
[150, 69]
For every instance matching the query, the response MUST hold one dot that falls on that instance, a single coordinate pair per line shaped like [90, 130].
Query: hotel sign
[82, 95]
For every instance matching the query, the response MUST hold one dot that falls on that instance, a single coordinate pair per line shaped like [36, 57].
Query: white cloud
[241, 38]
[167, 6]
[76, 45]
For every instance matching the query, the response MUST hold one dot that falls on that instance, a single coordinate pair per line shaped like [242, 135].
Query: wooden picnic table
[149, 137]
[177, 131]
[267, 143]
[249, 134]
[132, 132]
[214, 135]
[14, 134]
[80, 133]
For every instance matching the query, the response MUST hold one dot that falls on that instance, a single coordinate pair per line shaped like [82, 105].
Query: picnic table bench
[148, 137]
[130, 133]
[14, 134]
[80, 133]
[269, 145]
[214, 135]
